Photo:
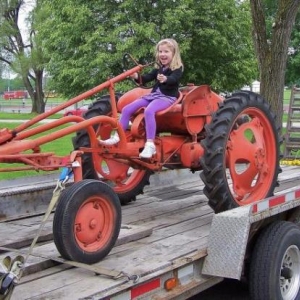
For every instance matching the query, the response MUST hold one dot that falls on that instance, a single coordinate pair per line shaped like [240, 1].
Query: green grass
[60, 147]
[286, 96]
[23, 116]
[284, 117]
[55, 100]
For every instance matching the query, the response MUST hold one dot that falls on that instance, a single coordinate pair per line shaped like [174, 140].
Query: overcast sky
[24, 11]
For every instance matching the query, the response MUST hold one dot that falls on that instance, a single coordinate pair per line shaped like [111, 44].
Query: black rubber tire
[64, 222]
[224, 121]
[276, 254]
[294, 215]
[99, 108]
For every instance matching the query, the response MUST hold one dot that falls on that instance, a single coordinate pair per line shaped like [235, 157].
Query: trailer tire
[294, 216]
[242, 132]
[136, 180]
[275, 263]
[87, 221]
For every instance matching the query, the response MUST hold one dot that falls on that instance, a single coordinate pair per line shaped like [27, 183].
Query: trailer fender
[230, 230]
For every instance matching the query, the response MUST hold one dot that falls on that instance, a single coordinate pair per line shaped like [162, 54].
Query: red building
[15, 95]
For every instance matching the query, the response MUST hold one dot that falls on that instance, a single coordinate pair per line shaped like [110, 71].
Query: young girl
[167, 73]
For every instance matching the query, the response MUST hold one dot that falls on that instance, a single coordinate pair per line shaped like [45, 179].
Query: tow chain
[11, 271]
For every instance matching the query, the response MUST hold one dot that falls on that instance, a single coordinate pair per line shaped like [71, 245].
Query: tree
[87, 39]
[22, 54]
[12, 84]
[293, 64]
[272, 23]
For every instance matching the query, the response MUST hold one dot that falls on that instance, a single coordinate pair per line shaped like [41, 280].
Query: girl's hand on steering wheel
[129, 60]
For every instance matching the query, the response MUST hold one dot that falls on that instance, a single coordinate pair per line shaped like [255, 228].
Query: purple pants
[153, 103]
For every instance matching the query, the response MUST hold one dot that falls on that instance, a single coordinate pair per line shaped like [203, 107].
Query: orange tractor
[233, 141]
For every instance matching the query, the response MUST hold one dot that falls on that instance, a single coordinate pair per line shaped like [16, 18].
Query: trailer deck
[167, 227]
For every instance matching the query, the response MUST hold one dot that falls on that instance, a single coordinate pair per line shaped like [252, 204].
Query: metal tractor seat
[139, 92]
[137, 127]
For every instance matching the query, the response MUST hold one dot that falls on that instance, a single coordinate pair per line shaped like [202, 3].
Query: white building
[255, 87]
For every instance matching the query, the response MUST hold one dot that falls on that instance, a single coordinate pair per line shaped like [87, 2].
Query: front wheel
[241, 152]
[275, 263]
[87, 221]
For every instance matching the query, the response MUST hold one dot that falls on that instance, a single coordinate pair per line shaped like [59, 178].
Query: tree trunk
[36, 94]
[39, 93]
[272, 53]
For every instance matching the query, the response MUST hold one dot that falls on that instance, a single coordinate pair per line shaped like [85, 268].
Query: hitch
[9, 275]
[7, 283]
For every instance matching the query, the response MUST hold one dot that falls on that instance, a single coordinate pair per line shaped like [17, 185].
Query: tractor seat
[138, 92]
[175, 107]
[165, 115]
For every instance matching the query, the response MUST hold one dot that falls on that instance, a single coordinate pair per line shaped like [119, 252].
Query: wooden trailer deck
[168, 225]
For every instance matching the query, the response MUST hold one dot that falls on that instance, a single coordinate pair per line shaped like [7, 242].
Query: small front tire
[87, 221]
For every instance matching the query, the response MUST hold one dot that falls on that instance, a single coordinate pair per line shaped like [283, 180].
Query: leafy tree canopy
[11, 84]
[21, 53]
[85, 40]
[293, 67]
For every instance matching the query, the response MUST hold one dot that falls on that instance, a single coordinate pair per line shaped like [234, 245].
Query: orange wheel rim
[124, 177]
[132, 180]
[94, 223]
[251, 158]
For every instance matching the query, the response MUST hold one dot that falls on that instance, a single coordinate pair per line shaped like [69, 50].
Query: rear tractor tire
[241, 152]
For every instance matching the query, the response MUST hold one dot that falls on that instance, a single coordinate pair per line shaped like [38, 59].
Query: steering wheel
[128, 63]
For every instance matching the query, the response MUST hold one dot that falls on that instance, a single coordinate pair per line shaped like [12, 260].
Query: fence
[25, 105]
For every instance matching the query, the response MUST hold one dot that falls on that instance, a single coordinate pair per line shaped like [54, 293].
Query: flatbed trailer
[171, 245]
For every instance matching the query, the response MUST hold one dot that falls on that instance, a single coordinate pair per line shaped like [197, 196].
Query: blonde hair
[173, 45]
